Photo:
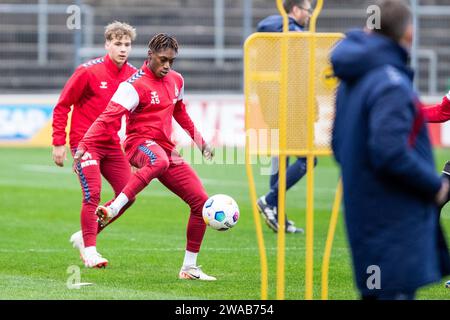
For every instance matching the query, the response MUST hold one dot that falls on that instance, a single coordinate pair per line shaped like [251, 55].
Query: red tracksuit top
[89, 90]
[439, 112]
[151, 102]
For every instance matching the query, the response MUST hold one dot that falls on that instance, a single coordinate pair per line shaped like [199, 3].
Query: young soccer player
[89, 90]
[151, 97]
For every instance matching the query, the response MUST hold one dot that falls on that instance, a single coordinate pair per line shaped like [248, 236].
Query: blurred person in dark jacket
[380, 140]
[299, 12]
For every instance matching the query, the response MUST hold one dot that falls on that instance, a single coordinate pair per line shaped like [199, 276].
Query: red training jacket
[439, 112]
[89, 90]
[151, 102]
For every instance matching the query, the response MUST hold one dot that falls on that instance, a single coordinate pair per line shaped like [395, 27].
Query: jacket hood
[360, 52]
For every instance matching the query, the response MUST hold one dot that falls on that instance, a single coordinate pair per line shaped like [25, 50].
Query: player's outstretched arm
[100, 132]
[440, 112]
[106, 125]
[124, 100]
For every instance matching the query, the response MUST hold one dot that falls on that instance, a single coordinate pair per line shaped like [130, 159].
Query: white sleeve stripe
[127, 96]
[181, 94]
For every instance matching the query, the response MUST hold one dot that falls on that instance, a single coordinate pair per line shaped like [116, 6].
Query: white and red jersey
[150, 102]
[88, 90]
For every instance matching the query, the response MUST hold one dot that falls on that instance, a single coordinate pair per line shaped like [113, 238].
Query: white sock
[190, 259]
[118, 204]
[90, 250]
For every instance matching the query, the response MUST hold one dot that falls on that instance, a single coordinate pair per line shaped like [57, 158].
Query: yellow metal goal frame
[310, 152]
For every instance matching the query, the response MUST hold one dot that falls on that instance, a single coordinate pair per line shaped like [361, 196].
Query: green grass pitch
[40, 206]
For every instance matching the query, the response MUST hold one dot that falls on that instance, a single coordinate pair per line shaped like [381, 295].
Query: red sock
[89, 223]
[196, 226]
[195, 232]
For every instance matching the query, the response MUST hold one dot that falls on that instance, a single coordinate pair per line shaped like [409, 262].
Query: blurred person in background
[299, 12]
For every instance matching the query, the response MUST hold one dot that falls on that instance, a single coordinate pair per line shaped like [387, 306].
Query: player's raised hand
[208, 152]
[81, 149]
[59, 155]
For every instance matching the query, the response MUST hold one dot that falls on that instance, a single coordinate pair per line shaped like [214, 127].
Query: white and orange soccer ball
[221, 212]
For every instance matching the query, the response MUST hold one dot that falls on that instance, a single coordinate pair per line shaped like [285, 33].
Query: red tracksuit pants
[172, 171]
[110, 163]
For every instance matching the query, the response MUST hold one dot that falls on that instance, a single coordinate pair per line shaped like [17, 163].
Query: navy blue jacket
[381, 142]
[275, 24]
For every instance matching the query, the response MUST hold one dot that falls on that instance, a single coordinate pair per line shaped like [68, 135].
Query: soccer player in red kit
[89, 90]
[150, 98]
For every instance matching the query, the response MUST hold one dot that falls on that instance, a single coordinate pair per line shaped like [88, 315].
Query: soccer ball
[220, 212]
[447, 284]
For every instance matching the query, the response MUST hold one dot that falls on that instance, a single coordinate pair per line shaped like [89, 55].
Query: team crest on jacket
[104, 85]
[155, 98]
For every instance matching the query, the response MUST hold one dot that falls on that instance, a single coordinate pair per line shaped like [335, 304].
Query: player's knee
[156, 167]
[155, 159]
[159, 165]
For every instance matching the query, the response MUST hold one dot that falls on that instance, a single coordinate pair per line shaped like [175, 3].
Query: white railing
[432, 58]
[42, 10]
[420, 11]
[184, 52]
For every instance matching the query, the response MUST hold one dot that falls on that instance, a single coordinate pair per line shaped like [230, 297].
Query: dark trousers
[294, 173]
